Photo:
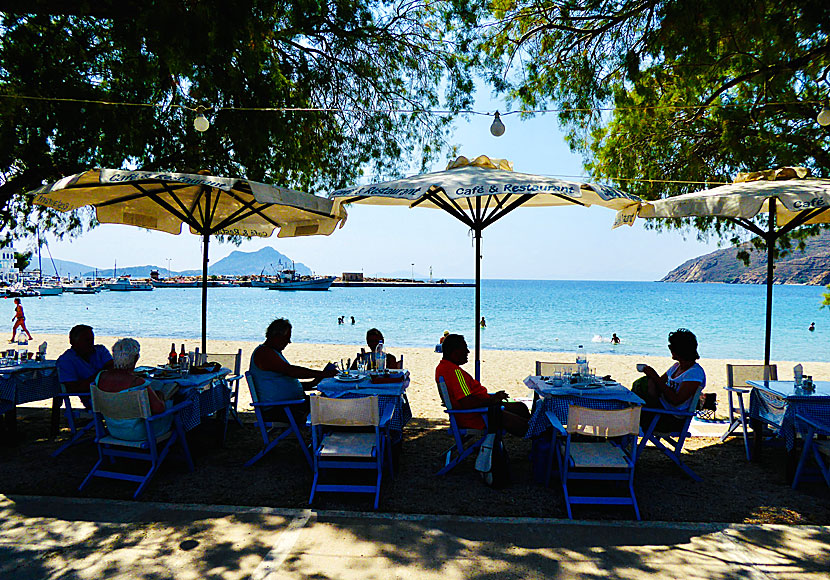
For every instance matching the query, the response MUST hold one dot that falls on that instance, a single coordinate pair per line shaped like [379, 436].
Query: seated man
[78, 366]
[467, 393]
[276, 379]
[373, 337]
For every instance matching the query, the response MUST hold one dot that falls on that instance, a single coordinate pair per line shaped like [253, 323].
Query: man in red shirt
[467, 393]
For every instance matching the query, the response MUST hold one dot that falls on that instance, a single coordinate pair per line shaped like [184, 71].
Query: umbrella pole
[770, 253]
[206, 240]
[477, 233]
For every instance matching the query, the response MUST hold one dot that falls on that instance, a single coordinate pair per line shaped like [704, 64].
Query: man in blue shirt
[78, 366]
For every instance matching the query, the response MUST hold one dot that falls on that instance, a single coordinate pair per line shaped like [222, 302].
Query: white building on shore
[8, 273]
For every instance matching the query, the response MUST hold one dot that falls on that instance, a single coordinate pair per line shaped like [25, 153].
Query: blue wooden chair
[338, 448]
[818, 449]
[597, 459]
[231, 361]
[154, 448]
[464, 442]
[268, 428]
[79, 419]
[736, 378]
[671, 442]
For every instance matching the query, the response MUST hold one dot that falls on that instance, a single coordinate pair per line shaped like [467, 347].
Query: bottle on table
[182, 356]
[22, 345]
[172, 358]
[581, 362]
[380, 358]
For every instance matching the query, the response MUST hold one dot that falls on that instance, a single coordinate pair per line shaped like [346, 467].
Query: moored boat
[124, 284]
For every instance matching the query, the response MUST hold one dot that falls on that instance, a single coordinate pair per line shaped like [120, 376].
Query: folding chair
[818, 448]
[231, 361]
[79, 431]
[335, 448]
[736, 378]
[154, 448]
[674, 440]
[267, 427]
[600, 459]
[547, 369]
[459, 434]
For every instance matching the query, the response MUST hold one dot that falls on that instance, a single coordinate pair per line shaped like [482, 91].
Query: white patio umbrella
[479, 193]
[788, 195]
[208, 204]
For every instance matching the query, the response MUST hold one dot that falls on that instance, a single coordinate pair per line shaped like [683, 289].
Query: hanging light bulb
[824, 116]
[200, 123]
[497, 128]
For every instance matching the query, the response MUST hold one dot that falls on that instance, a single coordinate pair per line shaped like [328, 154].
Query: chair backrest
[232, 360]
[738, 375]
[249, 378]
[546, 369]
[359, 412]
[602, 422]
[445, 394]
[133, 404]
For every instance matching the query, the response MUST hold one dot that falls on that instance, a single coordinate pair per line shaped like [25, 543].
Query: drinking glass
[361, 365]
[557, 378]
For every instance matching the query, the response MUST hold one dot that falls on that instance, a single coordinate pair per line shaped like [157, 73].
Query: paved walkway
[92, 539]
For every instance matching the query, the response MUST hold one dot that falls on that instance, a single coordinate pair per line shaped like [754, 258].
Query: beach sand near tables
[500, 369]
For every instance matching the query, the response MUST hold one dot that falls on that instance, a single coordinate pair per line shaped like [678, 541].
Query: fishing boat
[125, 284]
[82, 289]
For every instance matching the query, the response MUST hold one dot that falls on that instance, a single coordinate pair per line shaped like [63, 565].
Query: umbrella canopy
[788, 195]
[208, 204]
[480, 192]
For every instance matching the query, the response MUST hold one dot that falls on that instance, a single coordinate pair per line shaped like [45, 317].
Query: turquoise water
[521, 314]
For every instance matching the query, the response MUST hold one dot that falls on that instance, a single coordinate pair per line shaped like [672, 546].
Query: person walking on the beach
[19, 320]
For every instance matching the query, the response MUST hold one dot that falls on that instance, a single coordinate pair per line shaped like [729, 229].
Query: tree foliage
[360, 58]
[655, 93]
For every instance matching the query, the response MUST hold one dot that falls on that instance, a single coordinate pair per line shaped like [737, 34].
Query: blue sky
[531, 243]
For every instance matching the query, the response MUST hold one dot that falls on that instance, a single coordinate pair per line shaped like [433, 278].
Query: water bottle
[380, 358]
[22, 346]
[581, 362]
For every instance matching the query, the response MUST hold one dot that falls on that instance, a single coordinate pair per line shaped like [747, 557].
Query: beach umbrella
[478, 193]
[788, 196]
[209, 205]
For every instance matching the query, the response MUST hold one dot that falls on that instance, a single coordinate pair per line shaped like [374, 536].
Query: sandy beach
[500, 369]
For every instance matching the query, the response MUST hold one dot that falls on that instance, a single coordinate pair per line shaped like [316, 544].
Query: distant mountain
[236, 264]
[812, 266]
[249, 263]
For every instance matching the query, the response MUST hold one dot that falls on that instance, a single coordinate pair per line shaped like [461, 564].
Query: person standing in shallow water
[19, 320]
[812, 327]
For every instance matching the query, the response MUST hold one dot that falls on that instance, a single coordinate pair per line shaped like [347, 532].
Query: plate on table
[586, 387]
[347, 378]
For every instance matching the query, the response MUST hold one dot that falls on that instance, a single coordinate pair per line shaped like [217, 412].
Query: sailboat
[41, 288]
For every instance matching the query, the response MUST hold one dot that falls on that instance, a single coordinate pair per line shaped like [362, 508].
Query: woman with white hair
[125, 354]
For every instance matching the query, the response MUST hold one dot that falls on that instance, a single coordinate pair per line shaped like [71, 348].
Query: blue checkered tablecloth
[559, 399]
[778, 402]
[388, 394]
[209, 393]
[28, 382]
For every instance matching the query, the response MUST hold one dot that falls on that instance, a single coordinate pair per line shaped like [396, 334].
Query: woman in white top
[676, 387]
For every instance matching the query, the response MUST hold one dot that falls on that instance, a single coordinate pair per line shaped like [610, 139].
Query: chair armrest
[556, 423]
[465, 411]
[822, 428]
[738, 390]
[387, 416]
[171, 411]
[233, 378]
[668, 412]
[267, 404]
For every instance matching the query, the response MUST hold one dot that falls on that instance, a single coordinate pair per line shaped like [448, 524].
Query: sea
[533, 315]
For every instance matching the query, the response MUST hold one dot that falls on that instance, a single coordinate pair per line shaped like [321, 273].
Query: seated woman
[373, 338]
[674, 389]
[122, 378]
[275, 379]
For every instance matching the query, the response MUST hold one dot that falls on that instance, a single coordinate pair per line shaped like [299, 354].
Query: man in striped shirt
[467, 393]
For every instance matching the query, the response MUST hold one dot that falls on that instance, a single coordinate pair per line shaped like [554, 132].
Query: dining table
[776, 403]
[27, 382]
[389, 388]
[558, 396]
[207, 392]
